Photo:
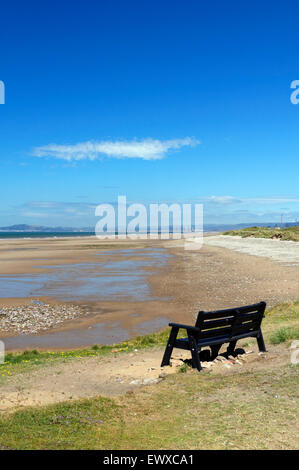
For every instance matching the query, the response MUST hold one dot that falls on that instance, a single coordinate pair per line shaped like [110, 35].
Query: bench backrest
[231, 322]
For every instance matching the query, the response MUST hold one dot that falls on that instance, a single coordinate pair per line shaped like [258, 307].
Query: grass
[288, 233]
[281, 324]
[284, 334]
[283, 316]
[185, 411]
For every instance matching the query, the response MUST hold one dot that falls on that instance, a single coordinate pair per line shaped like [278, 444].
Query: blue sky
[166, 101]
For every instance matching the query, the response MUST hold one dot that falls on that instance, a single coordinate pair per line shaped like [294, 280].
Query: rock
[242, 357]
[207, 364]
[150, 381]
[220, 359]
[163, 375]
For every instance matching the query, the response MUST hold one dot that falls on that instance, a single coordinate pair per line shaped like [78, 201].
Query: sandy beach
[71, 292]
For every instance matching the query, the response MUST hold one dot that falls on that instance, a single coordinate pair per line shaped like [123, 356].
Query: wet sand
[171, 290]
[110, 281]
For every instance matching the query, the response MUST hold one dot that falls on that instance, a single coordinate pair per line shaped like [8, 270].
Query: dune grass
[287, 233]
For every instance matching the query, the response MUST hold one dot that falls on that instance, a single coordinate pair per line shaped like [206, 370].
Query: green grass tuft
[284, 334]
[183, 369]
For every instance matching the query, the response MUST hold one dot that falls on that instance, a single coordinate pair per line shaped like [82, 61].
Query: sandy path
[86, 377]
[116, 375]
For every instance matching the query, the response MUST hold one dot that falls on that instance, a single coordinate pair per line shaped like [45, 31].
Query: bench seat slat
[217, 323]
[232, 311]
[183, 343]
[247, 327]
[226, 339]
[250, 316]
[207, 324]
[214, 315]
[215, 332]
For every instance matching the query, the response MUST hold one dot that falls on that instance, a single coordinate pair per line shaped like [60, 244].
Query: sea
[27, 235]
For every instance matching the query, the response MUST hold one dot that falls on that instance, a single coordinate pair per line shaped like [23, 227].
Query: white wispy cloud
[271, 200]
[146, 149]
[223, 200]
[274, 199]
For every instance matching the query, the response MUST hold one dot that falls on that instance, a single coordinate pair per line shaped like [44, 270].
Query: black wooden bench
[215, 328]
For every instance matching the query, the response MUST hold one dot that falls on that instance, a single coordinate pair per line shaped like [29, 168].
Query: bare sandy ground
[116, 375]
[216, 277]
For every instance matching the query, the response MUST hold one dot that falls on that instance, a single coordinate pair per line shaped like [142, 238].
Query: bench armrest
[185, 327]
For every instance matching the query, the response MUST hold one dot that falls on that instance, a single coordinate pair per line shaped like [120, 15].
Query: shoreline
[92, 235]
[214, 277]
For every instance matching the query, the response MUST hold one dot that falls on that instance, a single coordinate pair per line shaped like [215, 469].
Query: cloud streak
[230, 200]
[146, 149]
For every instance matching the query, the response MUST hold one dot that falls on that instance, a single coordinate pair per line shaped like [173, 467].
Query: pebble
[30, 319]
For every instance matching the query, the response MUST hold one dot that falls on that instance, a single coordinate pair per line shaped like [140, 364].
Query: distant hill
[207, 227]
[37, 228]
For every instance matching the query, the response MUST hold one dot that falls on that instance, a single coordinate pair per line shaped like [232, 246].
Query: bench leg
[260, 342]
[169, 347]
[215, 350]
[231, 347]
[195, 350]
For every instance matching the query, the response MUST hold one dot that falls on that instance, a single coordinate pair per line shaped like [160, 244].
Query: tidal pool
[73, 338]
[115, 275]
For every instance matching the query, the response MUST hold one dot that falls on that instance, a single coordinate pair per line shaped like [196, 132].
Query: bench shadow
[206, 356]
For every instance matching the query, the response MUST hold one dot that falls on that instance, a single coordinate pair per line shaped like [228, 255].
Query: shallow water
[83, 337]
[106, 279]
